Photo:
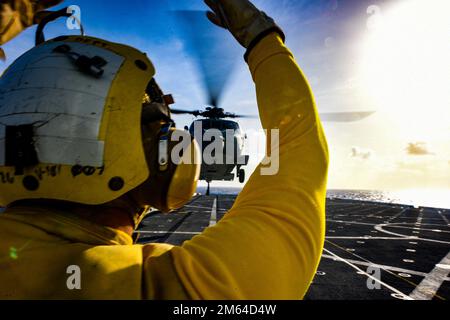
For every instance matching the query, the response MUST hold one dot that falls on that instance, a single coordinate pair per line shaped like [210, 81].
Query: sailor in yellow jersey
[268, 245]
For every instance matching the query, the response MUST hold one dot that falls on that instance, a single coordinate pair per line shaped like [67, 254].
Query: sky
[391, 57]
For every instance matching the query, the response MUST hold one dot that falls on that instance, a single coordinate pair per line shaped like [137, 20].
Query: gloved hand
[247, 24]
[17, 15]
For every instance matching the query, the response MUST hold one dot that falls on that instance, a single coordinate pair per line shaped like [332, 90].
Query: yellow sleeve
[269, 244]
[14, 17]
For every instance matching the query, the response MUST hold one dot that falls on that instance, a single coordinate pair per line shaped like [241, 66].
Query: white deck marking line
[384, 267]
[370, 262]
[170, 232]
[375, 214]
[429, 286]
[419, 218]
[352, 222]
[394, 225]
[368, 238]
[380, 228]
[404, 296]
[444, 218]
[413, 225]
[213, 220]
[197, 207]
[399, 214]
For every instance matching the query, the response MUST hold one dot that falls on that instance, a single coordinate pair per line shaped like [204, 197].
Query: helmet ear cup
[169, 185]
[184, 180]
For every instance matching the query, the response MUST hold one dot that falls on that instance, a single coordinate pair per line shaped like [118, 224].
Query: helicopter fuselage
[222, 143]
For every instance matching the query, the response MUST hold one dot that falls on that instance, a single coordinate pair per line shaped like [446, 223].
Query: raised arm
[269, 244]
[17, 15]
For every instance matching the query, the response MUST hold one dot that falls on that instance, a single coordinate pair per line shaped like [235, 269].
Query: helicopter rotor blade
[345, 116]
[195, 113]
[177, 111]
[326, 117]
[240, 116]
[214, 50]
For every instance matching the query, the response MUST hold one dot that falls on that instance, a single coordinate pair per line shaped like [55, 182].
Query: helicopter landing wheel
[241, 175]
[208, 190]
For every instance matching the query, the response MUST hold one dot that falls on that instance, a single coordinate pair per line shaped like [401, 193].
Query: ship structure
[373, 250]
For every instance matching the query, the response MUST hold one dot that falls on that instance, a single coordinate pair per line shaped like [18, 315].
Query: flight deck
[373, 251]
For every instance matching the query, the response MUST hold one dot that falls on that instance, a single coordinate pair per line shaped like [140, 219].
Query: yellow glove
[17, 15]
[247, 24]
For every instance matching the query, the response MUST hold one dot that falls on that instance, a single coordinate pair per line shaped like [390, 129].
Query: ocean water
[439, 198]
[434, 198]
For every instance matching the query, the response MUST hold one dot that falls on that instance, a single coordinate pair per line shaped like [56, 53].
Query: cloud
[364, 154]
[418, 149]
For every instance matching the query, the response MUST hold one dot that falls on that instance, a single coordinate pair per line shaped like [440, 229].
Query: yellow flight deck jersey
[267, 246]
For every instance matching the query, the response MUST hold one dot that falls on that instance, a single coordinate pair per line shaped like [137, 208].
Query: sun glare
[406, 64]
[436, 198]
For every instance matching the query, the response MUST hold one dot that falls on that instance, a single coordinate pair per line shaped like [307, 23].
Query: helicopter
[214, 118]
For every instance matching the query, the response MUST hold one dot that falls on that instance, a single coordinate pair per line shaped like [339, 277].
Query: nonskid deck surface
[372, 250]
